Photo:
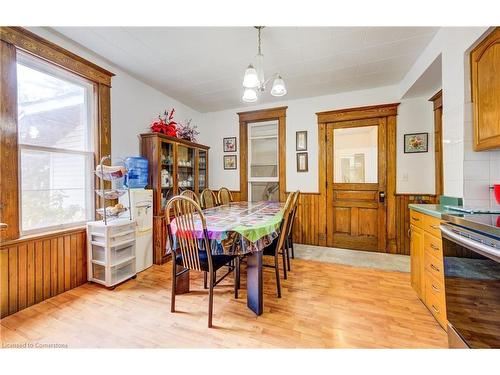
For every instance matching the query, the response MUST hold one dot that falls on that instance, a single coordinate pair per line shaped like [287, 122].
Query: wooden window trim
[437, 100]
[261, 115]
[29, 42]
[18, 38]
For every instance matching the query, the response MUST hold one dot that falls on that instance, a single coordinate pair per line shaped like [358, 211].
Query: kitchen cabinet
[426, 259]
[485, 87]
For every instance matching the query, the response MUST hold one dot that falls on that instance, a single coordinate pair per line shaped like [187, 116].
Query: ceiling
[203, 66]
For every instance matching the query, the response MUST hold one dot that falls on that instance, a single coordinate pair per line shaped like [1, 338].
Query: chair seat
[218, 261]
[271, 248]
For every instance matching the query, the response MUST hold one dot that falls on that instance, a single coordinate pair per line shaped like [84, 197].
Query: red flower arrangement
[165, 125]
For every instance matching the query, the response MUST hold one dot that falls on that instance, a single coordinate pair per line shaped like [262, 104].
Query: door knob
[381, 197]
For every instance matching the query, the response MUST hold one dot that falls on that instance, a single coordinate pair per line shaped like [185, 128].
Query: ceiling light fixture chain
[254, 79]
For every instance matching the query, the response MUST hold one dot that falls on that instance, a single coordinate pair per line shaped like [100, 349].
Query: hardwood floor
[323, 306]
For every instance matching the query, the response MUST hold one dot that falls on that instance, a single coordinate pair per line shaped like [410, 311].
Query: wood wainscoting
[40, 267]
[309, 228]
[403, 218]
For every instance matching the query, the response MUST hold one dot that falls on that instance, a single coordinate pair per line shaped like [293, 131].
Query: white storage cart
[111, 251]
[111, 241]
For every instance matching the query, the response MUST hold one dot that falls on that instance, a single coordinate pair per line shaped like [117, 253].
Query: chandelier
[254, 80]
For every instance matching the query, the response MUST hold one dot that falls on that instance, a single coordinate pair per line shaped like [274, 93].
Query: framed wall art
[229, 144]
[416, 142]
[301, 141]
[230, 162]
[302, 162]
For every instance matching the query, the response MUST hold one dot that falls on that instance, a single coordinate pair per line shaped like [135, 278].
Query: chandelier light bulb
[279, 87]
[249, 96]
[251, 79]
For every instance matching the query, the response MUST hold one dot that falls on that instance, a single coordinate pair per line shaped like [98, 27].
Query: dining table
[255, 224]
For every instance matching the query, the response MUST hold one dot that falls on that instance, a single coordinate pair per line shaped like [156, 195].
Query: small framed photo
[302, 162]
[229, 144]
[230, 162]
[416, 142]
[301, 141]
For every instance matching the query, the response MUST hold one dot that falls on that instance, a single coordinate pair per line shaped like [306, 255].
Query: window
[263, 166]
[356, 153]
[55, 122]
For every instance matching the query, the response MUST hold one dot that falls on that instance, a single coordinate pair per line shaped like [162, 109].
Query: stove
[473, 210]
[471, 256]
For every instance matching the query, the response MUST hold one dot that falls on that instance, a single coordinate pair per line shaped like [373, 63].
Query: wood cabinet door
[356, 184]
[485, 69]
[416, 259]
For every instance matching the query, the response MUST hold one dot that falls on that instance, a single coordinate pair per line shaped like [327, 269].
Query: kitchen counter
[435, 210]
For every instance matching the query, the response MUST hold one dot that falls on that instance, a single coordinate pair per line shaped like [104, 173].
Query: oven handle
[481, 248]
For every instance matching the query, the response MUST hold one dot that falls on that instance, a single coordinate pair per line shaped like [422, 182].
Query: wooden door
[356, 184]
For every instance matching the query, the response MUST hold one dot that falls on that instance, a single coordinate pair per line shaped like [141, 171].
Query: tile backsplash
[481, 169]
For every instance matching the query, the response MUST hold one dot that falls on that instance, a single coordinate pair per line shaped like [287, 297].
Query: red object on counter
[496, 189]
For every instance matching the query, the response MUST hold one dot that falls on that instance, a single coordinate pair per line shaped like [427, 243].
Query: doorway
[359, 160]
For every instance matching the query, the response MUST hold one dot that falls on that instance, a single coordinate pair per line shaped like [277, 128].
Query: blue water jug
[137, 176]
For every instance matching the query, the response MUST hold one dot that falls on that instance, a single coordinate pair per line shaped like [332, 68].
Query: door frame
[261, 115]
[384, 111]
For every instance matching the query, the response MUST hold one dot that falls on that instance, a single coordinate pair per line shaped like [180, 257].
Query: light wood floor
[323, 305]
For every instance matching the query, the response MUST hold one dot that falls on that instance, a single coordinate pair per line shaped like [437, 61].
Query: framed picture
[416, 142]
[229, 144]
[230, 162]
[301, 141]
[302, 162]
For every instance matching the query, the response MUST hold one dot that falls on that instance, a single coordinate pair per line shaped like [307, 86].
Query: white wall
[133, 104]
[453, 44]
[415, 172]
[301, 115]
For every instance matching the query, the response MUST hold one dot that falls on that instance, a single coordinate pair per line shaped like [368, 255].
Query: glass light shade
[279, 88]
[250, 80]
[249, 96]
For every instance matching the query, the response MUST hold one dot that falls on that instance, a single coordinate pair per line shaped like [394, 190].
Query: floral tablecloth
[257, 224]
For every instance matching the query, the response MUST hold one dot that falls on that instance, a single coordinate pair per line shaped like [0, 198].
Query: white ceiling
[203, 66]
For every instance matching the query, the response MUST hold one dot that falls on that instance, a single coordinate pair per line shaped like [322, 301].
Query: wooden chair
[208, 199]
[276, 248]
[193, 253]
[224, 196]
[191, 194]
[289, 237]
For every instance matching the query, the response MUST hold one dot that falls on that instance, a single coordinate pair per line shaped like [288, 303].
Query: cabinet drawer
[433, 265]
[417, 219]
[431, 225]
[433, 246]
[435, 299]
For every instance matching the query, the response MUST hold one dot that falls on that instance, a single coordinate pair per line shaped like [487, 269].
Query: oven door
[472, 287]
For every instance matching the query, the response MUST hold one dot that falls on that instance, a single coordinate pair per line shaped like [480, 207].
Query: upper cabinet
[485, 69]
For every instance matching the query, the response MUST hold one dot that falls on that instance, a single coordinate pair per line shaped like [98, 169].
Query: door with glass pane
[356, 184]
[185, 168]
[263, 168]
[166, 172]
[202, 170]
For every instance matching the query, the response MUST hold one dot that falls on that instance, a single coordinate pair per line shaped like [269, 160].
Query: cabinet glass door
[185, 168]
[202, 170]
[166, 172]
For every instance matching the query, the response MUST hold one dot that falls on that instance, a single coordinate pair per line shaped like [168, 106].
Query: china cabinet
[175, 165]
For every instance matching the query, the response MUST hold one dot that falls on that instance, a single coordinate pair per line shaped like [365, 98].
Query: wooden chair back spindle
[184, 211]
[293, 211]
[191, 194]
